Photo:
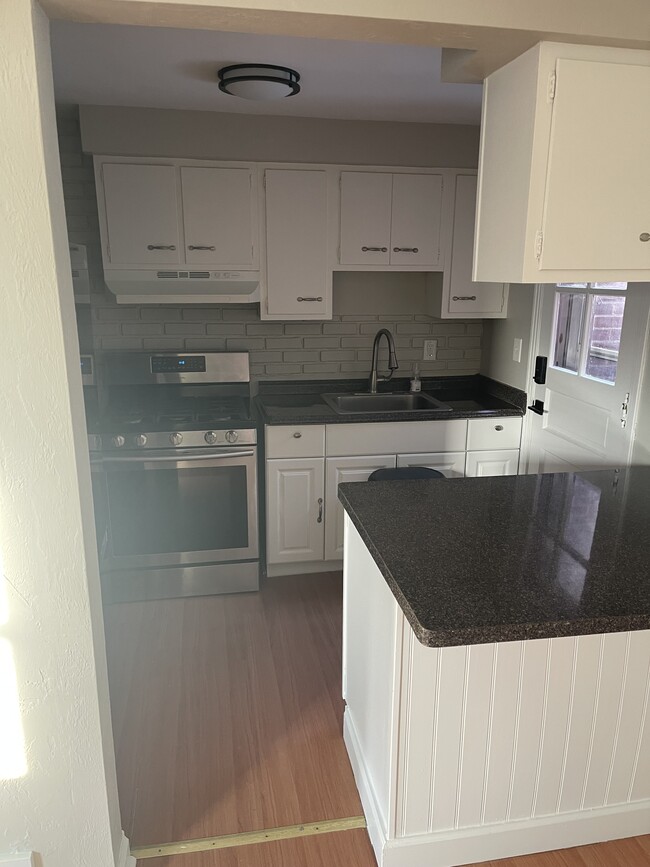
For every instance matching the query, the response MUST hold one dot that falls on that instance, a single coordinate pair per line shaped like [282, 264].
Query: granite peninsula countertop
[477, 560]
[300, 402]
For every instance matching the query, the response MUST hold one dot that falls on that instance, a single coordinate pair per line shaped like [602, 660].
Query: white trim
[24, 860]
[508, 840]
[124, 857]
[533, 352]
[276, 570]
[366, 792]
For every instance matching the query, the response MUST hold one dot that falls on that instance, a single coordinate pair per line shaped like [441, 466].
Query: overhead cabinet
[564, 171]
[391, 219]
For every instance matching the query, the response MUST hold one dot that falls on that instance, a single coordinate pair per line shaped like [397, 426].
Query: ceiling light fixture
[261, 81]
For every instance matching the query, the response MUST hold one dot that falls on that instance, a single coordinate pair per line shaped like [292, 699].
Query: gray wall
[499, 335]
[340, 348]
[151, 132]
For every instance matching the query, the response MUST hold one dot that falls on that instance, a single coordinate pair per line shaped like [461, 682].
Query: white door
[299, 281]
[141, 214]
[218, 216]
[416, 220]
[466, 297]
[365, 218]
[294, 510]
[593, 336]
[502, 462]
[337, 471]
[450, 464]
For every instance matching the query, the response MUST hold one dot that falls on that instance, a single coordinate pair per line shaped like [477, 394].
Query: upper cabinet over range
[564, 174]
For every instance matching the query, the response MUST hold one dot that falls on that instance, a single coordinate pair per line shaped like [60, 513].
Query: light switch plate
[430, 350]
[516, 349]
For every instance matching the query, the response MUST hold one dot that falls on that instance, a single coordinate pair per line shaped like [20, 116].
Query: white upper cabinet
[142, 224]
[564, 172]
[391, 219]
[298, 276]
[218, 216]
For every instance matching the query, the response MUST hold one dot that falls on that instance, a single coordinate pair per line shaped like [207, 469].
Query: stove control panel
[178, 363]
[167, 440]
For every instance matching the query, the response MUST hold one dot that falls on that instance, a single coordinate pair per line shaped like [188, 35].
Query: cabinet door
[465, 296]
[365, 218]
[338, 470]
[141, 214]
[218, 216]
[498, 463]
[299, 281]
[294, 510]
[450, 464]
[416, 220]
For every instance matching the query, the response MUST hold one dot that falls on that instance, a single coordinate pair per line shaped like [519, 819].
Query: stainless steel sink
[399, 402]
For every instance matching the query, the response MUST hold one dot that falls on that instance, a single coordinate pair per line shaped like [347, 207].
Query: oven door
[183, 508]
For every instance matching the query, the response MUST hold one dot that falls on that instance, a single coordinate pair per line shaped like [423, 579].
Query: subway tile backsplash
[280, 350]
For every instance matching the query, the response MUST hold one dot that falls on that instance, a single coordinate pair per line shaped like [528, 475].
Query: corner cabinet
[564, 171]
[175, 214]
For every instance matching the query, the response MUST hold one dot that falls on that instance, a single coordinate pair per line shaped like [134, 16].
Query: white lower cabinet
[503, 462]
[337, 471]
[295, 510]
[450, 464]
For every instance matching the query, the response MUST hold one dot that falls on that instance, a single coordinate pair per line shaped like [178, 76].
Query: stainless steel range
[179, 454]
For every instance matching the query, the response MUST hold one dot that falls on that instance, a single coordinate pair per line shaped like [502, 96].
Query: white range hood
[170, 286]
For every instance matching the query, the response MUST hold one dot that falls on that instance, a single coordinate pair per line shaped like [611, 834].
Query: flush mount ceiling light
[261, 81]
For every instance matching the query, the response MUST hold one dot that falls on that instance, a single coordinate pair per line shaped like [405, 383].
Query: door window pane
[604, 336]
[569, 317]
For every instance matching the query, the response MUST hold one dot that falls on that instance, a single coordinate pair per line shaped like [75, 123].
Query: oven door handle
[149, 459]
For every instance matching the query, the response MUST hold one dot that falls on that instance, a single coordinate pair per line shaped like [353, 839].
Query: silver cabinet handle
[320, 510]
[374, 249]
[644, 236]
[498, 427]
[300, 298]
[297, 435]
[200, 247]
[405, 250]
[161, 247]
[463, 298]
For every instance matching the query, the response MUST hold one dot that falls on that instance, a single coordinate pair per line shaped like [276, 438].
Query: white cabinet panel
[498, 463]
[494, 433]
[466, 297]
[141, 214]
[450, 464]
[337, 471]
[294, 510]
[295, 441]
[299, 282]
[402, 437]
[365, 218]
[218, 216]
[416, 220]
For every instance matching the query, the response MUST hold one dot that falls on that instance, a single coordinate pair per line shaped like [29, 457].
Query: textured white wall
[63, 803]
[499, 335]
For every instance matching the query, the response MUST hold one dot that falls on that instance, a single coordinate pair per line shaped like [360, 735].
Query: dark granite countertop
[468, 396]
[478, 560]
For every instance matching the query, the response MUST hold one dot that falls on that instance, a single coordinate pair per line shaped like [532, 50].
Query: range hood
[172, 286]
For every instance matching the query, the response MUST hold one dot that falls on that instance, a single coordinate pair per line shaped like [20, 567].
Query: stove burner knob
[141, 440]
[118, 441]
[176, 439]
[232, 436]
[211, 437]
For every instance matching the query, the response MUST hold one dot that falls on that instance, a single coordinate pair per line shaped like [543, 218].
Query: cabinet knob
[463, 297]
[161, 247]
[200, 247]
[374, 249]
[297, 435]
[498, 427]
[644, 236]
[405, 250]
[300, 298]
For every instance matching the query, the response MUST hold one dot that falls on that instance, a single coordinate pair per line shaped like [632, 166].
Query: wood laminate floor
[228, 716]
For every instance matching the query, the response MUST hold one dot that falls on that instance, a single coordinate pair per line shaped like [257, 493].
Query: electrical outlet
[430, 350]
[516, 350]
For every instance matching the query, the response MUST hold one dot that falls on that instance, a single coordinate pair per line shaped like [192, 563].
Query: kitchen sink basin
[395, 402]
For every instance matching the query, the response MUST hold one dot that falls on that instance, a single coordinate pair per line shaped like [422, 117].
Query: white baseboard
[366, 792]
[124, 857]
[276, 570]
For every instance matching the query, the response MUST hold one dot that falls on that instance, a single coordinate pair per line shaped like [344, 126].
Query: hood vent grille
[175, 275]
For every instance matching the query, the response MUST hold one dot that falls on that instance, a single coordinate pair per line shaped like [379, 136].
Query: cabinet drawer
[493, 433]
[392, 437]
[295, 441]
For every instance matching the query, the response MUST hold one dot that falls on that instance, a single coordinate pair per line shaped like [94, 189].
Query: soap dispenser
[416, 382]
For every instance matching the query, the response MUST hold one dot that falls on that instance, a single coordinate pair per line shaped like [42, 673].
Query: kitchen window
[587, 329]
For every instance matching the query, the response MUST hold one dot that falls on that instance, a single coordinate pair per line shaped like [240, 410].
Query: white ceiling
[157, 67]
